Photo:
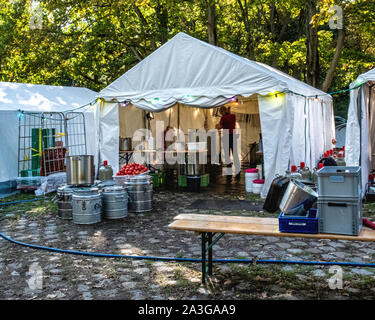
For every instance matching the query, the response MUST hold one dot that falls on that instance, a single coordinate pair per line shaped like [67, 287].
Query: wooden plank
[272, 230]
[229, 219]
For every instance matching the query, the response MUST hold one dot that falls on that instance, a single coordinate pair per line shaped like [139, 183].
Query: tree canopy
[91, 43]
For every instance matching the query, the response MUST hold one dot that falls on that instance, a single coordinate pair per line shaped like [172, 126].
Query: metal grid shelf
[45, 139]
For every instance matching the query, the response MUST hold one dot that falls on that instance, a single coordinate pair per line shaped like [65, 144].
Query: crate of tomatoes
[129, 171]
[132, 169]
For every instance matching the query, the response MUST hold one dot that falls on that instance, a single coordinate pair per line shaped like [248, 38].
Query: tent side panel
[298, 153]
[8, 146]
[365, 147]
[371, 108]
[276, 117]
[352, 139]
[329, 124]
[318, 129]
[92, 126]
[130, 119]
[109, 135]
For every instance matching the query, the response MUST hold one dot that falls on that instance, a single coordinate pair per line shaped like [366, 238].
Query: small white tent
[360, 127]
[297, 123]
[37, 98]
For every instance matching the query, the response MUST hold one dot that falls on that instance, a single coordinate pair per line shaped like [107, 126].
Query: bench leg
[207, 246]
[204, 242]
[209, 239]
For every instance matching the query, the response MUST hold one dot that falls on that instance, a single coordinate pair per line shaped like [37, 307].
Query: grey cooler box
[339, 182]
[340, 216]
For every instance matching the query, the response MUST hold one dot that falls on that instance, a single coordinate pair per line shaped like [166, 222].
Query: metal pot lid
[65, 188]
[114, 189]
[86, 190]
[138, 179]
[105, 183]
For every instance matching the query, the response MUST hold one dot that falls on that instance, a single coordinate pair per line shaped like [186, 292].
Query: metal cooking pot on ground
[80, 170]
[296, 194]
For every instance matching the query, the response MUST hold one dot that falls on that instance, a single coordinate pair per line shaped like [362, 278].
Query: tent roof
[193, 72]
[36, 97]
[363, 78]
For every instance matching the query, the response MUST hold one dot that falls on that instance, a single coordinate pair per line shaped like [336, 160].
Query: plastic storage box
[155, 179]
[339, 182]
[158, 179]
[340, 216]
[182, 181]
[205, 180]
[299, 224]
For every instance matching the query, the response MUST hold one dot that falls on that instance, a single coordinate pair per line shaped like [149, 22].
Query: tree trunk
[211, 22]
[162, 15]
[246, 22]
[145, 25]
[312, 54]
[335, 59]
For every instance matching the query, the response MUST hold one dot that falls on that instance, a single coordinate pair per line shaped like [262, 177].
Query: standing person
[227, 121]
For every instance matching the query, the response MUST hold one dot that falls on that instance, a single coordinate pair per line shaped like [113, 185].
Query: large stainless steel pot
[295, 194]
[80, 170]
[125, 144]
[193, 166]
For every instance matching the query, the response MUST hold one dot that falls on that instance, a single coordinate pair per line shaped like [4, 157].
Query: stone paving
[27, 273]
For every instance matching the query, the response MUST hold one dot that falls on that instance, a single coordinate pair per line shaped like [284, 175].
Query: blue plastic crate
[296, 224]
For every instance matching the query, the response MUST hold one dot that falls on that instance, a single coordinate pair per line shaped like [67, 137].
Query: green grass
[32, 209]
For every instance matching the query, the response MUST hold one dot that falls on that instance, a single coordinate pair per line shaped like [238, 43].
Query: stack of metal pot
[115, 202]
[85, 201]
[79, 199]
[64, 202]
[87, 205]
[139, 189]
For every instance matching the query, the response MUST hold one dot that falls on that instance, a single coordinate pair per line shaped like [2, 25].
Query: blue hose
[108, 255]
[21, 201]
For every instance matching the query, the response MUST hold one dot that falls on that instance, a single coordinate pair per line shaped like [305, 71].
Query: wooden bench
[210, 225]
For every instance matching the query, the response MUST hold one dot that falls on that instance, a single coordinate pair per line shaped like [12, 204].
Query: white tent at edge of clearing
[360, 142]
[194, 77]
[35, 98]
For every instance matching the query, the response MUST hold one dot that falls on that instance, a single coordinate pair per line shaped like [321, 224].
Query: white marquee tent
[37, 98]
[296, 120]
[360, 142]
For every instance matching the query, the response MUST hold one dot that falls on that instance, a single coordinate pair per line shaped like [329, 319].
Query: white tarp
[193, 73]
[38, 98]
[276, 117]
[360, 129]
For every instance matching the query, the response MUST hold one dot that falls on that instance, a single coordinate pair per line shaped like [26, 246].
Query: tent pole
[360, 129]
[178, 116]
[305, 116]
[370, 120]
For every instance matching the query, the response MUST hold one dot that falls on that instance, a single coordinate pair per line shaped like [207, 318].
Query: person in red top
[227, 121]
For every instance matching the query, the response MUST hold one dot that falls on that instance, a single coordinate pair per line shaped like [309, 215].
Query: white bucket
[258, 185]
[250, 175]
[259, 167]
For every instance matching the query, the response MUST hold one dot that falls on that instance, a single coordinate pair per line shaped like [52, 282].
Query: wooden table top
[254, 226]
